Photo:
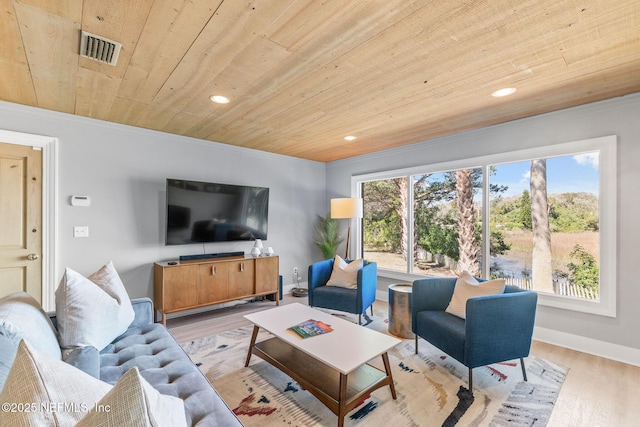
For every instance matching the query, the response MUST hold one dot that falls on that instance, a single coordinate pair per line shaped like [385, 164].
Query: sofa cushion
[92, 311]
[22, 317]
[87, 359]
[345, 274]
[60, 394]
[132, 402]
[165, 365]
[468, 287]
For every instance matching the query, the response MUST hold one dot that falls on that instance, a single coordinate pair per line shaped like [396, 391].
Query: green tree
[497, 244]
[525, 210]
[381, 223]
[437, 232]
[585, 272]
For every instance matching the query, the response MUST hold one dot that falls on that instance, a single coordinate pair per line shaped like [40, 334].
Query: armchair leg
[471, 381]
[524, 370]
[359, 319]
[371, 309]
[416, 335]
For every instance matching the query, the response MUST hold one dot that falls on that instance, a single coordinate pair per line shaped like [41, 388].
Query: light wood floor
[596, 392]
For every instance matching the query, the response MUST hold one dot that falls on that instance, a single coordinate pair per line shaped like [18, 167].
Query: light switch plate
[81, 231]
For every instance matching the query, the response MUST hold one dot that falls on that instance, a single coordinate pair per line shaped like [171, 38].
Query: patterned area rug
[431, 387]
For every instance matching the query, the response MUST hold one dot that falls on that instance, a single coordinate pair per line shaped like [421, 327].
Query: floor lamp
[346, 208]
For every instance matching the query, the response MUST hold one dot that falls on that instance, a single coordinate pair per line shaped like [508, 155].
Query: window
[550, 208]
[550, 228]
[447, 208]
[425, 224]
[384, 218]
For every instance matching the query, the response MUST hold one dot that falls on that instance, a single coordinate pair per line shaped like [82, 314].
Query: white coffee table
[333, 367]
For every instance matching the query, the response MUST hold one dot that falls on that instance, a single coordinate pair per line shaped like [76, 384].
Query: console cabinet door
[180, 287]
[213, 282]
[241, 278]
[266, 274]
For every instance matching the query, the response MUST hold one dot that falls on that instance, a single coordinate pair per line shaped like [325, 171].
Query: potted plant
[326, 236]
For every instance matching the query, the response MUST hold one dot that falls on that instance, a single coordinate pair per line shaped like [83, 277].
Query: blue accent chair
[497, 327]
[354, 301]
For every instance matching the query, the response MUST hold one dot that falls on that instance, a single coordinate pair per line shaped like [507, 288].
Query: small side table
[400, 310]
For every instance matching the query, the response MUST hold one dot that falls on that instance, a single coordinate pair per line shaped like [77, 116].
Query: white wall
[621, 117]
[123, 169]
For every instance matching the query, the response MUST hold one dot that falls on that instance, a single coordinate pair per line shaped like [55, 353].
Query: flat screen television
[203, 212]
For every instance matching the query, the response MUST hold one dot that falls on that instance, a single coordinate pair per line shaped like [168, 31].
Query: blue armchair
[497, 327]
[354, 301]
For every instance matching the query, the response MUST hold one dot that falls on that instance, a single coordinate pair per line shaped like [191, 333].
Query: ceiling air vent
[99, 48]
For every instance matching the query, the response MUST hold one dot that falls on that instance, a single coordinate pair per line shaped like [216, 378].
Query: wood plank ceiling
[302, 74]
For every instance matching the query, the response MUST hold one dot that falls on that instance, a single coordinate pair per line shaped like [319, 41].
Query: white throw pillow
[133, 402]
[45, 391]
[345, 274]
[92, 311]
[468, 287]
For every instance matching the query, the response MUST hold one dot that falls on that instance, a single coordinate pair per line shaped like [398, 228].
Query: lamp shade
[346, 208]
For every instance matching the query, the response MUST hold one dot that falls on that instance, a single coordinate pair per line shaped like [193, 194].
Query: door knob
[32, 257]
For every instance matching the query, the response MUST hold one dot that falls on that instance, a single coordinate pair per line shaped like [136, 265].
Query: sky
[566, 174]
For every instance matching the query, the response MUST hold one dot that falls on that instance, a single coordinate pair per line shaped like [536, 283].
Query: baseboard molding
[382, 295]
[287, 289]
[598, 348]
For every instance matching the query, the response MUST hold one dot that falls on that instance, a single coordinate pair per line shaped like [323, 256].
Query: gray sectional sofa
[146, 345]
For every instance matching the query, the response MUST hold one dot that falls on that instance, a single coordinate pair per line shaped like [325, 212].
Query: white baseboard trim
[382, 295]
[287, 289]
[598, 348]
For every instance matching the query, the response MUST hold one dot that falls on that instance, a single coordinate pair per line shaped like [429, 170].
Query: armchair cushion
[444, 331]
[345, 274]
[468, 287]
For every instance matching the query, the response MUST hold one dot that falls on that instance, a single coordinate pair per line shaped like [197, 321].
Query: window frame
[607, 199]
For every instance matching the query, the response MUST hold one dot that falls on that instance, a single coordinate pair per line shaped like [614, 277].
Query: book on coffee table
[311, 328]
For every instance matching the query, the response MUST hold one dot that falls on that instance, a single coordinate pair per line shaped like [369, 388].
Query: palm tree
[467, 245]
[403, 214]
[541, 269]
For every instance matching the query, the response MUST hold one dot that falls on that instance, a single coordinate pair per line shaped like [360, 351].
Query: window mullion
[410, 222]
[486, 232]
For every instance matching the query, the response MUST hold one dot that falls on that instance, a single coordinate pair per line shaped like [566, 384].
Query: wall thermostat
[80, 201]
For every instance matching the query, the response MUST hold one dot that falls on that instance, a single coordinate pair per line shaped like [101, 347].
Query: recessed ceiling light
[220, 99]
[350, 137]
[504, 92]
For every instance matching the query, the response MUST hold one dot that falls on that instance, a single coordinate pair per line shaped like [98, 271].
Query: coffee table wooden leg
[342, 400]
[251, 344]
[387, 368]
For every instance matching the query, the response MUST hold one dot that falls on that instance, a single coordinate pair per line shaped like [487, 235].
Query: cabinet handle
[213, 270]
[242, 267]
